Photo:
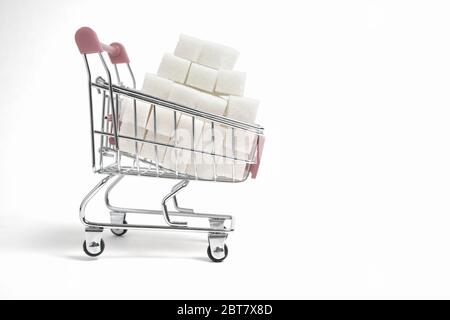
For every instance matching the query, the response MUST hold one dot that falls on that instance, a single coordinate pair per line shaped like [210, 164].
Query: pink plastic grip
[87, 42]
[120, 56]
[259, 150]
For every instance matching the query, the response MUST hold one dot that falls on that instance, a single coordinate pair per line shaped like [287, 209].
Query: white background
[352, 200]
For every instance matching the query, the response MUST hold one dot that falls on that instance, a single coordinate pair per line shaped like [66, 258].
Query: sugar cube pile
[200, 75]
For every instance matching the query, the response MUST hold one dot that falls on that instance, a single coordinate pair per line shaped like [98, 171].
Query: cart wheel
[119, 232]
[215, 259]
[90, 254]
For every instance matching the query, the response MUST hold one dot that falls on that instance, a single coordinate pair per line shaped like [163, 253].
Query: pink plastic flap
[259, 150]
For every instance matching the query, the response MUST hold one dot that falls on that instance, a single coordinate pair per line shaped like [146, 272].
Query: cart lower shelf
[94, 245]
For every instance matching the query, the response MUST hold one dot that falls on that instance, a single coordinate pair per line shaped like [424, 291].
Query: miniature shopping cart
[108, 158]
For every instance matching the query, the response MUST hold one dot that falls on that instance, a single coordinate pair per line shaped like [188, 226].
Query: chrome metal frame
[174, 226]
[112, 162]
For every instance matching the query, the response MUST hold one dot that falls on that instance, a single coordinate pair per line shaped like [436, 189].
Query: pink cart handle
[259, 150]
[87, 42]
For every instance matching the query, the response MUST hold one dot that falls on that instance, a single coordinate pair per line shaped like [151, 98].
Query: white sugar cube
[165, 119]
[185, 137]
[233, 169]
[160, 126]
[183, 95]
[188, 48]
[212, 134]
[239, 145]
[210, 167]
[211, 104]
[242, 109]
[222, 165]
[211, 141]
[230, 82]
[174, 68]
[129, 130]
[243, 141]
[127, 126]
[156, 86]
[202, 77]
[152, 151]
[176, 159]
[245, 110]
[142, 112]
[218, 56]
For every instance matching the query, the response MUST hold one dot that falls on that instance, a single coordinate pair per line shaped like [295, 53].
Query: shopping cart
[110, 160]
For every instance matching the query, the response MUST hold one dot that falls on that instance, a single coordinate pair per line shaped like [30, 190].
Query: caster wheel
[90, 254]
[119, 232]
[215, 259]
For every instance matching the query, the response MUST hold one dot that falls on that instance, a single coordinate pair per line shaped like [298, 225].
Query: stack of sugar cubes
[199, 75]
